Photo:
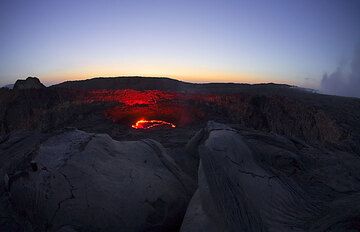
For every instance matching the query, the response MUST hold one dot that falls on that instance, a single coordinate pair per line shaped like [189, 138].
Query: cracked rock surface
[90, 182]
[224, 179]
[250, 181]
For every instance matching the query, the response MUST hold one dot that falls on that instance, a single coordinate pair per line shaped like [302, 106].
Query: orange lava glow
[125, 106]
[147, 124]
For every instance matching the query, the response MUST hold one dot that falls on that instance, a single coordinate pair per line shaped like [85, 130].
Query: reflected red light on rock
[179, 108]
[131, 97]
[148, 124]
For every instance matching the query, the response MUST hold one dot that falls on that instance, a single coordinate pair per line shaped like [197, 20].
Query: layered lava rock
[242, 180]
[90, 182]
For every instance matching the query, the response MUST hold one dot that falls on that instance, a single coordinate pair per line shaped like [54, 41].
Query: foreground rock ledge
[258, 182]
[247, 181]
[89, 182]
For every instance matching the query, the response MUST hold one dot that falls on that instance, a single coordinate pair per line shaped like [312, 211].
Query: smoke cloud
[342, 82]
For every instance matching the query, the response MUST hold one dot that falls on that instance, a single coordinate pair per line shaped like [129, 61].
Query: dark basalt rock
[90, 182]
[29, 83]
[248, 180]
[252, 181]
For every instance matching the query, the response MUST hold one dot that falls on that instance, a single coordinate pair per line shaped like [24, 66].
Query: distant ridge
[135, 82]
[168, 84]
[10, 86]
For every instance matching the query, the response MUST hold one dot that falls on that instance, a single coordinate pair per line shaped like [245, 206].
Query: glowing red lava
[147, 124]
[182, 109]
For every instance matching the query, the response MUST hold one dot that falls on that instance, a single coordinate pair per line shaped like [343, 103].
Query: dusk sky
[293, 42]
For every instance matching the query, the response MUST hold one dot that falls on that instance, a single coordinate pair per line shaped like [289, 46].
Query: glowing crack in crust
[147, 124]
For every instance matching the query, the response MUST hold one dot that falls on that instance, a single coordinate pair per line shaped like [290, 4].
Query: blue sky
[293, 42]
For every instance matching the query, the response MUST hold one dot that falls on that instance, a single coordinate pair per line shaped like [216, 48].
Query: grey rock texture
[29, 83]
[247, 180]
[89, 182]
[250, 181]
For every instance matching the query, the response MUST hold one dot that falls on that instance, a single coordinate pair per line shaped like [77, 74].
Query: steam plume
[342, 82]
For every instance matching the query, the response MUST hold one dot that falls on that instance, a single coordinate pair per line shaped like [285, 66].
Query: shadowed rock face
[29, 83]
[247, 181]
[257, 182]
[93, 183]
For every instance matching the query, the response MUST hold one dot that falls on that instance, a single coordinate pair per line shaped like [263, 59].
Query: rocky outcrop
[77, 181]
[29, 83]
[249, 181]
